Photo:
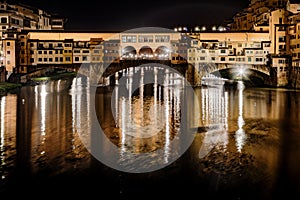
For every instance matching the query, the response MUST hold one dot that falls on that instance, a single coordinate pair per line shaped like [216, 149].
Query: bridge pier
[193, 75]
[117, 78]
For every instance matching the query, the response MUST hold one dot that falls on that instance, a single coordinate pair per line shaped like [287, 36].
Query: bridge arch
[162, 52]
[129, 52]
[230, 71]
[146, 52]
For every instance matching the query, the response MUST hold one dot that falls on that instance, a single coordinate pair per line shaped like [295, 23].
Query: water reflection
[215, 118]
[240, 133]
[146, 111]
[40, 128]
[7, 134]
[2, 131]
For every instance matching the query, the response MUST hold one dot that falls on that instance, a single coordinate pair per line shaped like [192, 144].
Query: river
[245, 141]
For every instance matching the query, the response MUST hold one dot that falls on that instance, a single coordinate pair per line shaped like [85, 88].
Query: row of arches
[145, 52]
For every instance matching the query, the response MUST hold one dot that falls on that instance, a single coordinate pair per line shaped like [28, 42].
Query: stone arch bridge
[192, 73]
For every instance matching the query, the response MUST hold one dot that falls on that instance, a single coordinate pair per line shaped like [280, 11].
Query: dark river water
[245, 142]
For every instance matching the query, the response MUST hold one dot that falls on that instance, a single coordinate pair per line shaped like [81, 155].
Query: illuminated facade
[22, 17]
[258, 13]
[29, 50]
[271, 45]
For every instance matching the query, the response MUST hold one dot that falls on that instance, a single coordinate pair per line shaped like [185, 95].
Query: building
[257, 14]
[17, 17]
[266, 38]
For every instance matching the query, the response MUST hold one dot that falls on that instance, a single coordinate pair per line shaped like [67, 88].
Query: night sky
[114, 16]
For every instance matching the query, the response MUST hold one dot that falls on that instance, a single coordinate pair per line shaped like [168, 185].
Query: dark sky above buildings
[111, 15]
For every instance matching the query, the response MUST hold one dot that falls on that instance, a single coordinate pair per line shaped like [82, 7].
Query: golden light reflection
[43, 95]
[167, 114]
[240, 135]
[148, 123]
[2, 145]
[215, 117]
[81, 122]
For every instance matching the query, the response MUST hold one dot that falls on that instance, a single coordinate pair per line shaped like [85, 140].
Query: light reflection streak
[36, 95]
[167, 114]
[2, 145]
[240, 135]
[141, 101]
[58, 85]
[117, 106]
[79, 103]
[43, 95]
[215, 117]
[163, 108]
[81, 119]
[73, 94]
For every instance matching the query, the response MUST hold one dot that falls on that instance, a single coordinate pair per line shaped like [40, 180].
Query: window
[56, 59]
[45, 52]
[8, 53]
[31, 52]
[41, 45]
[40, 59]
[50, 52]
[128, 38]
[162, 38]
[282, 38]
[31, 60]
[45, 59]
[3, 20]
[76, 59]
[22, 60]
[223, 51]
[68, 45]
[68, 59]
[31, 45]
[57, 23]
[51, 45]
[258, 59]
[223, 59]
[146, 38]
[76, 51]
[85, 51]
[23, 52]
[61, 59]
[59, 44]
[282, 61]
[22, 44]
[40, 52]
[249, 59]
[8, 44]
[50, 59]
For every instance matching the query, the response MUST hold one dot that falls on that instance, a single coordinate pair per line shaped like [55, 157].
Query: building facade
[17, 17]
[266, 38]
